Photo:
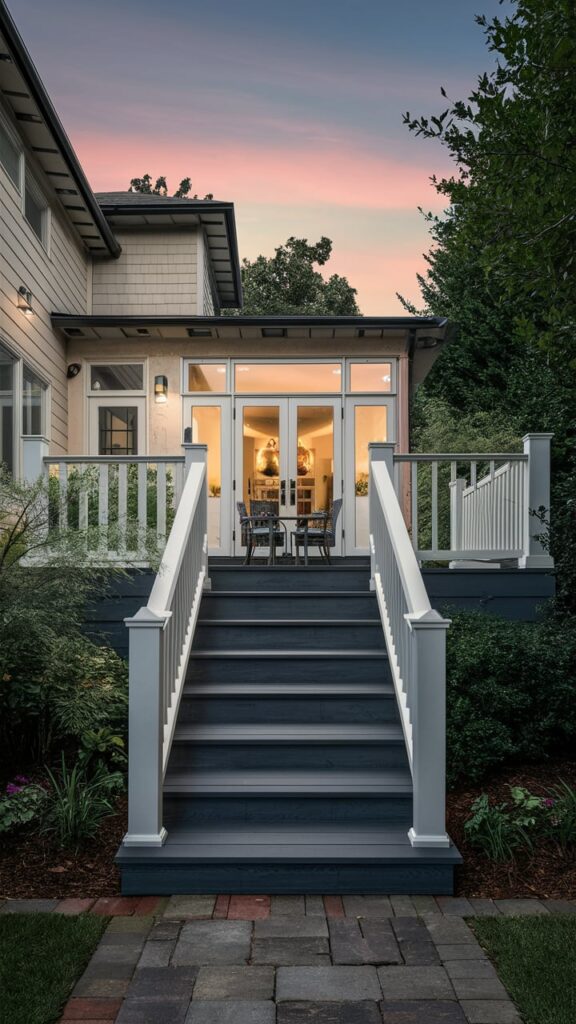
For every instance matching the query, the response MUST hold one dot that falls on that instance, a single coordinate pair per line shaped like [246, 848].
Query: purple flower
[549, 802]
[22, 779]
[11, 789]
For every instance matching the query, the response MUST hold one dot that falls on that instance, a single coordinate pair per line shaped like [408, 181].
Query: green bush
[511, 692]
[78, 802]
[500, 830]
[21, 803]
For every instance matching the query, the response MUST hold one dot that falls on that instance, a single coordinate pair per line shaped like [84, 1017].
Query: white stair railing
[416, 643]
[161, 637]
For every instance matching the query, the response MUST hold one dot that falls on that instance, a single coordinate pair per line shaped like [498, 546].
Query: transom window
[207, 377]
[370, 377]
[117, 377]
[288, 378]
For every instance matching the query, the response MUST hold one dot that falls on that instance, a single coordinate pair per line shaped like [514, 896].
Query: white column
[194, 453]
[145, 730]
[536, 497]
[34, 450]
[428, 713]
[378, 451]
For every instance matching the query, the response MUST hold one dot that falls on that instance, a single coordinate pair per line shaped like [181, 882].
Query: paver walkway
[290, 960]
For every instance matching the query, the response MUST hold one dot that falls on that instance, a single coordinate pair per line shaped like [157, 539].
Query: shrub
[78, 802]
[511, 692]
[499, 830]
[495, 830]
[22, 801]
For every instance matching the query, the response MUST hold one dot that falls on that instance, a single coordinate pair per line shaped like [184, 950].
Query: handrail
[98, 460]
[460, 457]
[161, 635]
[415, 641]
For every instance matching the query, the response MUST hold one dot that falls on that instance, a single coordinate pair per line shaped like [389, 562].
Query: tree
[288, 283]
[502, 263]
[160, 188]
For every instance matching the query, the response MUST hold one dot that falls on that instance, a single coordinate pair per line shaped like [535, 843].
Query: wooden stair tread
[269, 732]
[355, 653]
[194, 690]
[281, 783]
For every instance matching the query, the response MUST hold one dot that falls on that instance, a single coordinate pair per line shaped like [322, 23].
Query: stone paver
[470, 969]
[455, 905]
[414, 941]
[101, 987]
[165, 931]
[142, 1011]
[415, 983]
[425, 1011]
[221, 906]
[158, 984]
[447, 931]
[29, 906]
[463, 951]
[367, 906]
[490, 1011]
[403, 906]
[184, 907]
[231, 1011]
[248, 908]
[426, 905]
[333, 906]
[157, 954]
[483, 908]
[315, 906]
[74, 906]
[329, 1013]
[91, 1009]
[213, 942]
[479, 988]
[235, 983]
[517, 908]
[327, 984]
[111, 906]
[561, 906]
[130, 925]
[291, 952]
[284, 905]
[291, 928]
[370, 942]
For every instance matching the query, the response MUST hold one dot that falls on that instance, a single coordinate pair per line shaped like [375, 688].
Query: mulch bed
[32, 868]
[544, 874]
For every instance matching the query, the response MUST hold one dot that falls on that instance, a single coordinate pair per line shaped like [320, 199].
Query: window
[206, 377]
[286, 378]
[117, 430]
[33, 403]
[370, 377]
[10, 155]
[6, 409]
[35, 210]
[117, 377]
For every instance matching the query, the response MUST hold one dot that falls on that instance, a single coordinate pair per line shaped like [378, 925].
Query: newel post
[35, 449]
[145, 730]
[428, 713]
[194, 454]
[456, 513]
[378, 451]
[536, 496]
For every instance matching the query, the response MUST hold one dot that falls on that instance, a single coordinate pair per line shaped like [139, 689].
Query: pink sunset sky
[293, 112]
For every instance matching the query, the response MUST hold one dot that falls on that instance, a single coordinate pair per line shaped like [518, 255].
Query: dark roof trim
[51, 119]
[62, 320]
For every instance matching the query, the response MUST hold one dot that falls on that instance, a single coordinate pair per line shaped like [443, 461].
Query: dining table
[273, 518]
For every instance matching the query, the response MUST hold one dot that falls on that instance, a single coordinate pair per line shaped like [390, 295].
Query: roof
[213, 216]
[24, 92]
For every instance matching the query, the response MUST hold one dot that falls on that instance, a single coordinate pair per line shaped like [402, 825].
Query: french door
[367, 419]
[288, 452]
[207, 421]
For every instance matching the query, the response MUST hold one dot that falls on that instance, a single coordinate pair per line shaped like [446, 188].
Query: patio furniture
[261, 529]
[319, 531]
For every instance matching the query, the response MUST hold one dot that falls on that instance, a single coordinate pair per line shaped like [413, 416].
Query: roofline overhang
[192, 206]
[63, 320]
[52, 121]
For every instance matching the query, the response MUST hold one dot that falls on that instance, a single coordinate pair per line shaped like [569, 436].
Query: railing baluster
[414, 498]
[142, 506]
[161, 500]
[434, 506]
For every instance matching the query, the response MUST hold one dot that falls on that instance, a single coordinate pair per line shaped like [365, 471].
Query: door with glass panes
[287, 453]
[207, 421]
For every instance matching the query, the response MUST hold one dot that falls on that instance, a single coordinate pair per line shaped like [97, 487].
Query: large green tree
[289, 283]
[160, 187]
[502, 263]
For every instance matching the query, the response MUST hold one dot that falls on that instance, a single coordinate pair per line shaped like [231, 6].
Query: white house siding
[57, 280]
[156, 274]
[209, 308]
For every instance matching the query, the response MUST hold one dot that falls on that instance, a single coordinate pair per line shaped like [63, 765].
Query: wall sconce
[73, 370]
[25, 300]
[160, 389]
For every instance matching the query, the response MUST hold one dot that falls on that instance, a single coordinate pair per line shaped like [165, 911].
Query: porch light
[25, 300]
[160, 389]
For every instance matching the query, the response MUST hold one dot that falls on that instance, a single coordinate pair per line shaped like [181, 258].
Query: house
[286, 721]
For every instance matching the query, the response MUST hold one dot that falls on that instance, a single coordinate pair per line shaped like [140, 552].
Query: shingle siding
[155, 274]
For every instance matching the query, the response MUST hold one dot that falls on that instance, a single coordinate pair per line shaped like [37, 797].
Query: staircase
[288, 770]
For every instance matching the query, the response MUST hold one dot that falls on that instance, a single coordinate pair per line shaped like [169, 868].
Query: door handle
[292, 492]
[283, 492]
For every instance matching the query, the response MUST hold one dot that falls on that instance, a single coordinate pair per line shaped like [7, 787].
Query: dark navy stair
[288, 770]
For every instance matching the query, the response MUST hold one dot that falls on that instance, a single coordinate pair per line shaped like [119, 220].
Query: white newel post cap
[194, 453]
[382, 451]
[35, 448]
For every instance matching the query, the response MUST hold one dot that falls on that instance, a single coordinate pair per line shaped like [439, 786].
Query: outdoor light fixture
[160, 389]
[25, 300]
[73, 370]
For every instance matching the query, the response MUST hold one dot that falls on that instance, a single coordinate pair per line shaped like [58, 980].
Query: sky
[291, 110]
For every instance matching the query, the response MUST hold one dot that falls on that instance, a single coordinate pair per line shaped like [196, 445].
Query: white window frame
[107, 400]
[45, 400]
[117, 392]
[227, 377]
[7, 127]
[30, 183]
[294, 361]
[391, 360]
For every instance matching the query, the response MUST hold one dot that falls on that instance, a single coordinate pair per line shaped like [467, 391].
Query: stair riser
[295, 756]
[281, 810]
[305, 606]
[260, 636]
[289, 579]
[279, 710]
[306, 671]
[165, 880]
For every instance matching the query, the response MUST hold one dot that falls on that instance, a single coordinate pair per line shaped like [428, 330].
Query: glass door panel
[315, 470]
[261, 459]
[366, 421]
[117, 426]
[207, 421]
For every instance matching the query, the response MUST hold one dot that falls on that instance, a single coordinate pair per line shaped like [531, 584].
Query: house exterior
[286, 722]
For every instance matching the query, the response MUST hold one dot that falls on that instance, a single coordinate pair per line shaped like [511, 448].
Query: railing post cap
[145, 618]
[375, 445]
[537, 437]
[430, 619]
[192, 444]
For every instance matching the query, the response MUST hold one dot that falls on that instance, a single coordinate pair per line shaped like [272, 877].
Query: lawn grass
[536, 959]
[41, 957]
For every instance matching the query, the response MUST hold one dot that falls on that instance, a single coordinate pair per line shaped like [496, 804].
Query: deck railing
[478, 506]
[161, 636]
[416, 643]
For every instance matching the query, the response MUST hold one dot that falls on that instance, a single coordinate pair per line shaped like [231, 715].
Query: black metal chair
[257, 529]
[320, 533]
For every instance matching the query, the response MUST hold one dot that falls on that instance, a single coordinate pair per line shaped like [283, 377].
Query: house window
[206, 377]
[288, 378]
[10, 155]
[117, 430]
[117, 377]
[371, 377]
[36, 210]
[33, 403]
[6, 410]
